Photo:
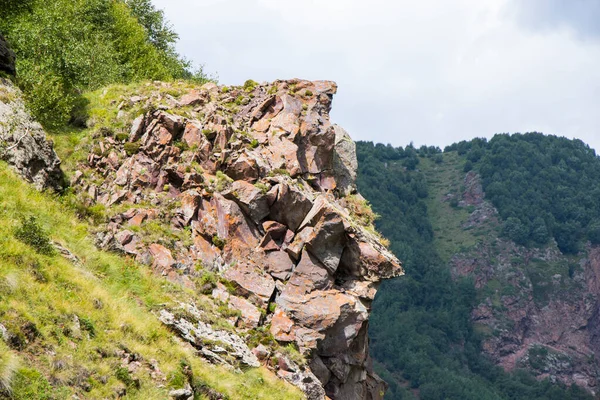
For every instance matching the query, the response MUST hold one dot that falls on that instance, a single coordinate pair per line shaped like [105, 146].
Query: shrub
[116, 41]
[31, 233]
[131, 148]
[219, 242]
[250, 85]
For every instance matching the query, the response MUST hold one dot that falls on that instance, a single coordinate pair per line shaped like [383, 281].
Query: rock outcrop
[539, 309]
[251, 185]
[7, 57]
[23, 142]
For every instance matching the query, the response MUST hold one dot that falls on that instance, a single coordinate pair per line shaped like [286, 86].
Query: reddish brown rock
[250, 198]
[163, 259]
[194, 98]
[251, 316]
[192, 135]
[207, 253]
[281, 327]
[291, 206]
[243, 167]
[252, 282]
[309, 275]
[279, 264]
[293, 245]
[190, 202]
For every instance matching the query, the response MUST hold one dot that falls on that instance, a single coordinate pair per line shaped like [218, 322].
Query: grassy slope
[443, 179]
[48, 292]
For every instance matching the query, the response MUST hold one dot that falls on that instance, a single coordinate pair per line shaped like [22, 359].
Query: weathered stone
[364, 259]
[190, 202]
[207, 253]
[194, 98]
[24, 143]
[253, 282]
[251, 316]
[308, 275]
[320, 370]
[275, 229]
[261, 352]
[243, 168]
[279, 264]
[173, 124]
[291, 206]
[251, 238]
[250, 198]
[268, 244]
[345, 164]
[204, 333]
[137, 128]
[124, 237]
[328, 239]
[281, 327]
[162, 256]
[192, 135]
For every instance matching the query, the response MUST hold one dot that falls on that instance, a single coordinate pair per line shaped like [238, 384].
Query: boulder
[250, 199]
[24, 143]
[163, 259]
[279, 264]
[252, 282]
[291, 206]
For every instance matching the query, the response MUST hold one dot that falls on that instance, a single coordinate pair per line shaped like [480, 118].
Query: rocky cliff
[247, 194]
[537, 309]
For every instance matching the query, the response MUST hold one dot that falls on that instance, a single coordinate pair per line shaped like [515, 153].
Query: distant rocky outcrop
[543, 313]
[7, 57]
[254, 185]
[23, 142]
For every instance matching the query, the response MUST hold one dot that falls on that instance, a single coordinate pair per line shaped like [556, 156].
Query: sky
[429, 72]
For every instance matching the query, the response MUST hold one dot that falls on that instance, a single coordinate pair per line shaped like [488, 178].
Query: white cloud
[431, 72]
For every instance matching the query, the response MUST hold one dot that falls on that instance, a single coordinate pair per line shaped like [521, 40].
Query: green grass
[114, 299]
[447, 221]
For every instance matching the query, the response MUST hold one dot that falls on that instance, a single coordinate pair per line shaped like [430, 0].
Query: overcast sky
[423, 71]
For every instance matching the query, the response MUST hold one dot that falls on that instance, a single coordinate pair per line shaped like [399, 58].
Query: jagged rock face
[543, 321]
[253, 189]
[23, 142]
[7, 57]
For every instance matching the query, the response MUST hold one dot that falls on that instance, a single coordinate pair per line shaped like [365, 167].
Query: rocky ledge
[23, 142]
[253, 186]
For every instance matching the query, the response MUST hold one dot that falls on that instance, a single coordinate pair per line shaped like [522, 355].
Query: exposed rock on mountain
[539, 306]
[251, 186]
[23, 142]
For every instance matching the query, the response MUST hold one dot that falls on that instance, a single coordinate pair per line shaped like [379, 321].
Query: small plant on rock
[131, 148]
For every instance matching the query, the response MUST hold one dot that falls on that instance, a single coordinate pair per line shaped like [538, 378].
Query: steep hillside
[471, 296]
[77, 321]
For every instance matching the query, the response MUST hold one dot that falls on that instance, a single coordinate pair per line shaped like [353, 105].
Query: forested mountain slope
[498, 243]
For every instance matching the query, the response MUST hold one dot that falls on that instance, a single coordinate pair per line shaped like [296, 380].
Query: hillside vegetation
[83, 321]
[67, 47]
[544, 187]
[424, 343]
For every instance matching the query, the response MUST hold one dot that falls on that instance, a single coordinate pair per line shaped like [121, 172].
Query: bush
[65, 47]
[31, 233]
[131, 148]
